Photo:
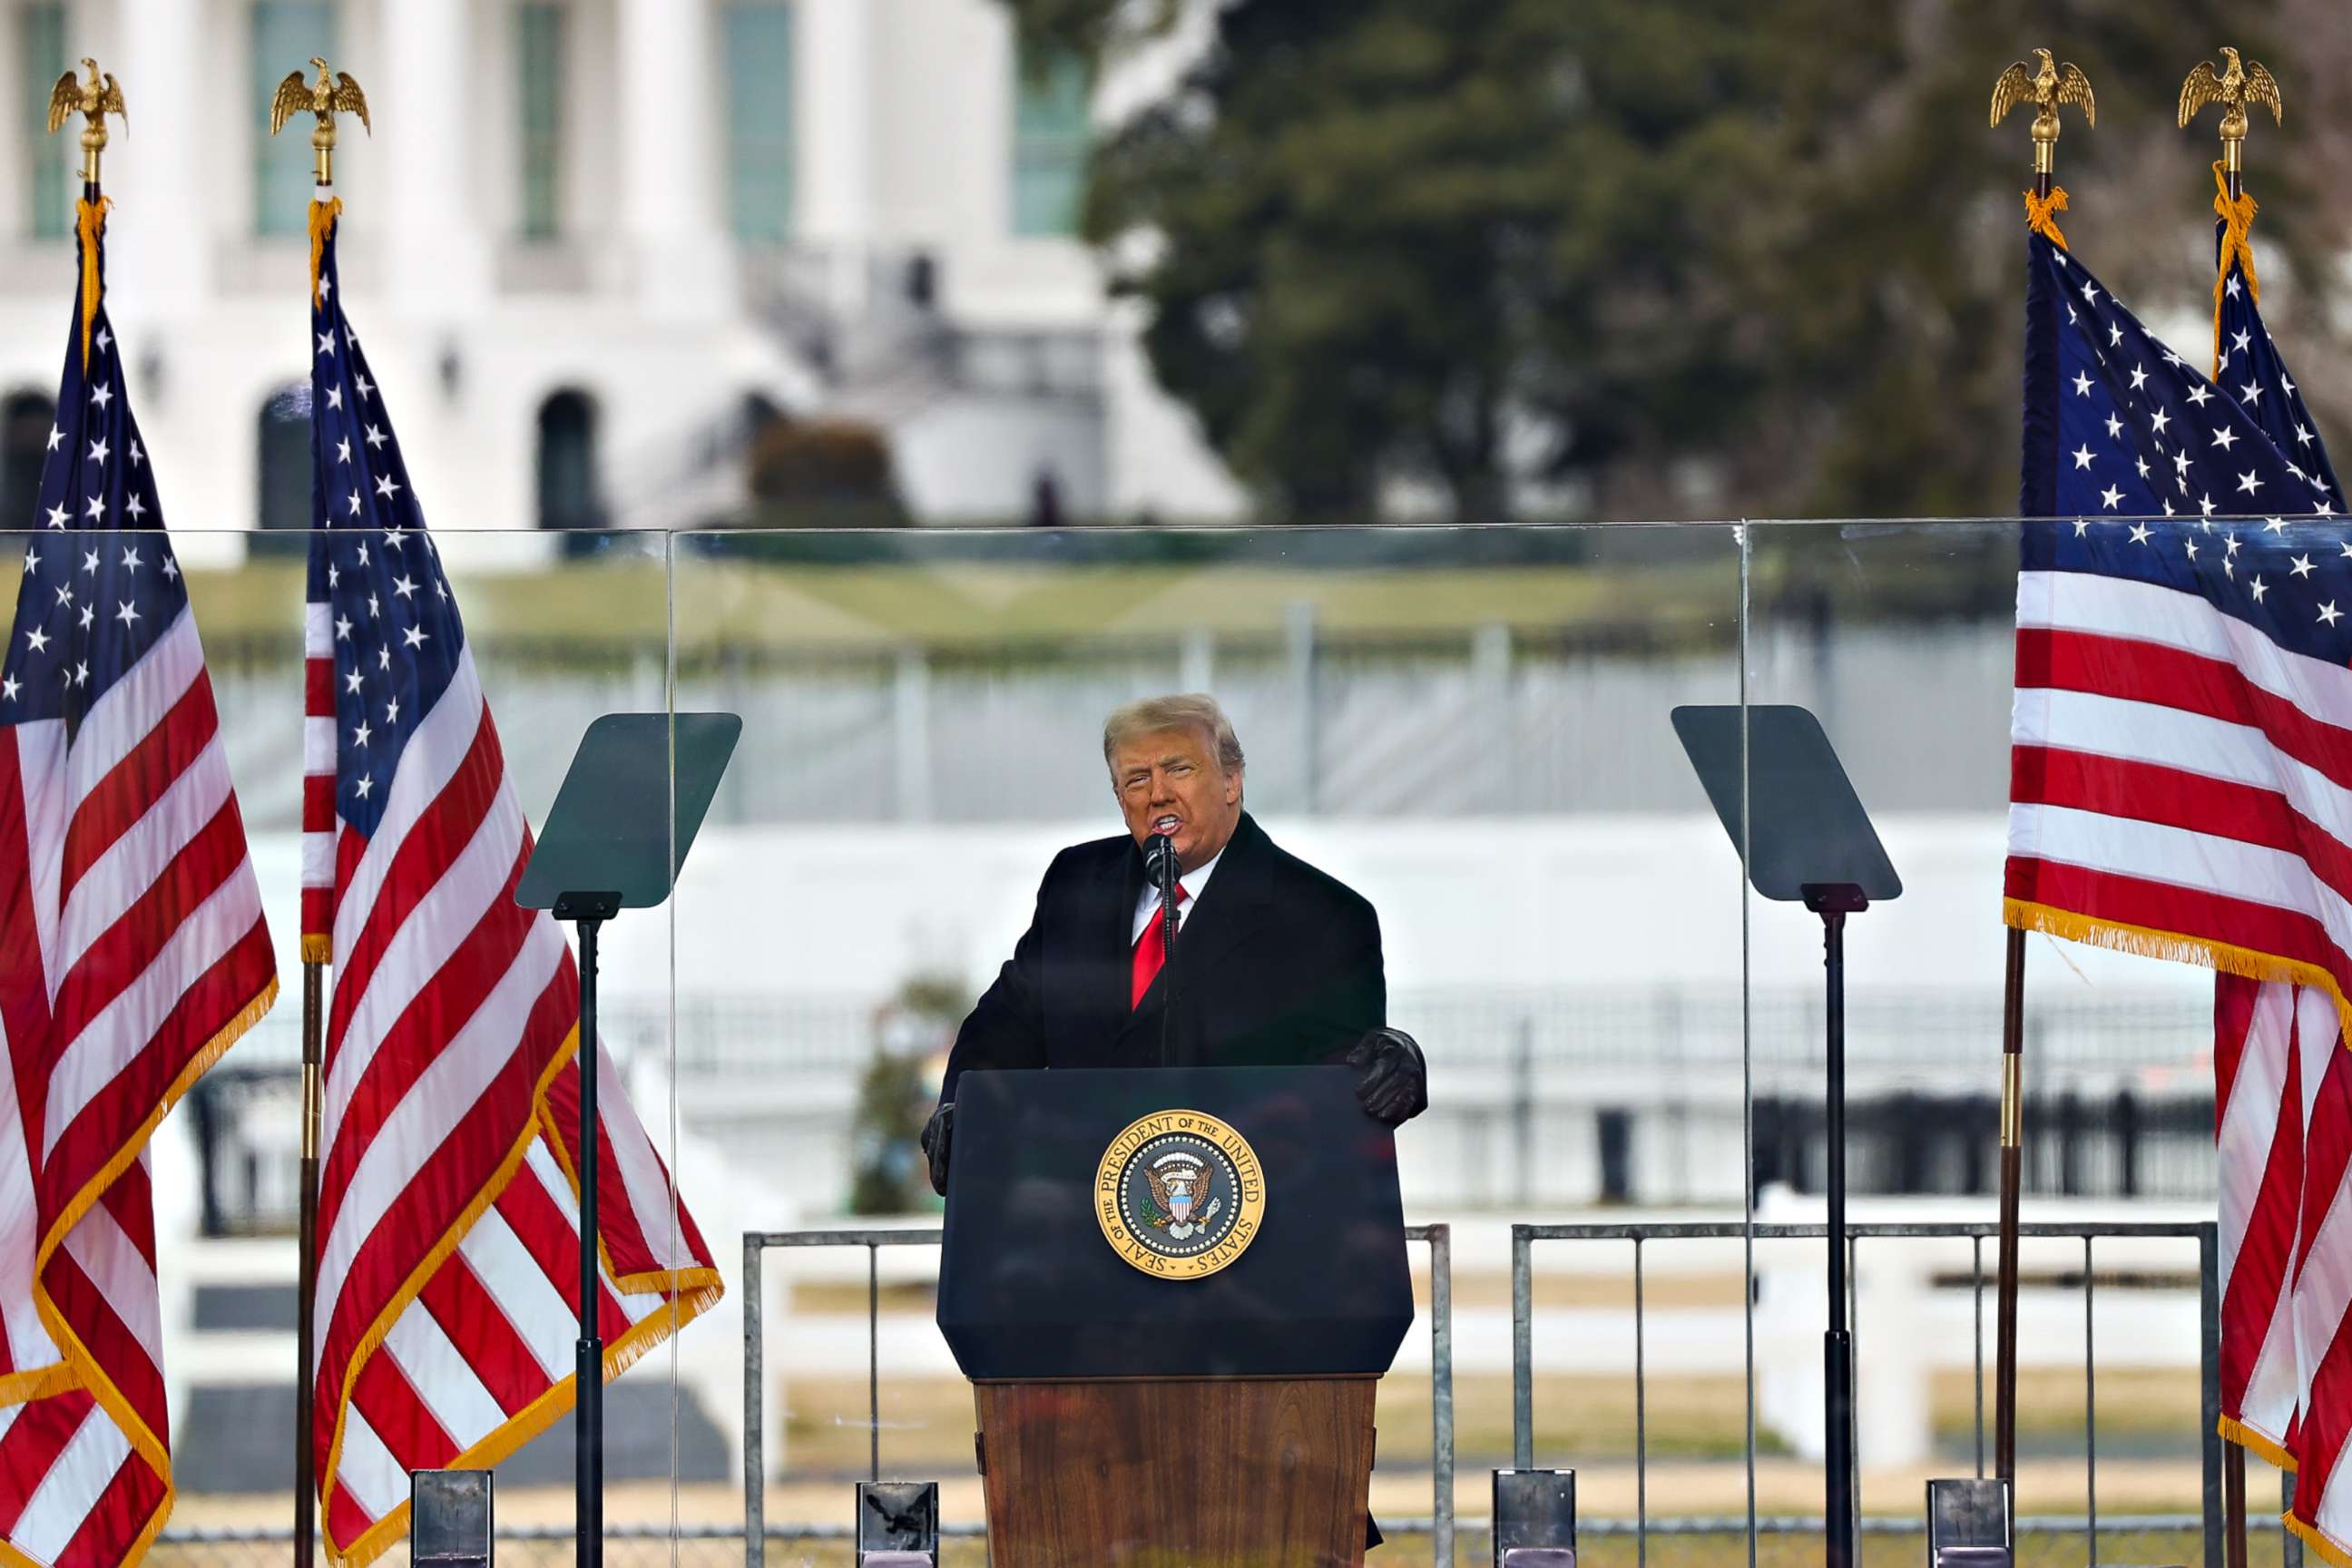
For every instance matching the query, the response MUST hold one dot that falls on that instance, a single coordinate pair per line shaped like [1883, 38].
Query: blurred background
[769, 354]
[653, 263]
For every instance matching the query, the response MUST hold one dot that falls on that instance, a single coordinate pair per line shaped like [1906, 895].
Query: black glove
[935, 1144]
[1392, 1079]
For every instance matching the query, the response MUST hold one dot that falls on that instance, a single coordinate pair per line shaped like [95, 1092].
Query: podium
[1175, 1293]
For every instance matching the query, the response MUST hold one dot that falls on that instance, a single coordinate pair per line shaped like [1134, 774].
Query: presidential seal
[1179, 1195]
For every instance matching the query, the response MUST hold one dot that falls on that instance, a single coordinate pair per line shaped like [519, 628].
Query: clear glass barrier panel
[1901, 639]
[1469, 727]
[559, 630]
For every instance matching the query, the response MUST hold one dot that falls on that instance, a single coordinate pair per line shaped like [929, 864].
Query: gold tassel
[2323, 1545]
[2040, 215]
[2255, 1443]
[2175, 948]
[91, 223]
[2237, 225]
[322, 224]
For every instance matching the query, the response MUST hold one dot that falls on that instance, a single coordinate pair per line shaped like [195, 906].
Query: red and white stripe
[482, 1359]
[2321, 1295]
[2258, 1110]
[134, 953]
[2182, 785]
[2179, 783]
[450, 1035]
[318, 782]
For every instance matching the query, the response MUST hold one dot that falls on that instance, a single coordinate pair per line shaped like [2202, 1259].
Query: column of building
[436, 236]
[172, 192]
[672, 91]
[833, 75]
[163, 262]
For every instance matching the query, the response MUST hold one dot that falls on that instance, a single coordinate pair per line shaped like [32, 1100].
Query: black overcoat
[1277, 966]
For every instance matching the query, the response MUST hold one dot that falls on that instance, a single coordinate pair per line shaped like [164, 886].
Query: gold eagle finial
[333, 93]
[94, 101]
[2046, 88]
[2233, 88]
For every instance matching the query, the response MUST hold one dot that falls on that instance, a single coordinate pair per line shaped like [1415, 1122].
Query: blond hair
[1181, 711]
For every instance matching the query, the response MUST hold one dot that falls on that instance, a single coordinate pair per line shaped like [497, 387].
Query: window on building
[286, 33]
[283, 492]
[568, 492]
[24, 422]
[41, 55]
[1050, 93]
[538, 61]
[760, 119]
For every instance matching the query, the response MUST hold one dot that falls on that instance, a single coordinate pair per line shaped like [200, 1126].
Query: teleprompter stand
[1782, 796]
[614, 839]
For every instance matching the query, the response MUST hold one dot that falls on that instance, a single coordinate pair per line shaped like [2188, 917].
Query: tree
[895, 1094]
[1673, 256]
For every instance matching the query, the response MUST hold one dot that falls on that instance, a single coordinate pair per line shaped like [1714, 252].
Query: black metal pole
[2012, 1182]
[589, 1369]
[306, 1289]
[1167, 930]
[2234, 1505]
[1837, 1344]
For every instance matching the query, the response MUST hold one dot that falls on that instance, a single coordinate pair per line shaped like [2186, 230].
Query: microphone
[1160, 861]
[1159, 865]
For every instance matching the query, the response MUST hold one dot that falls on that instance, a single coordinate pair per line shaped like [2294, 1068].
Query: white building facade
[595, 247]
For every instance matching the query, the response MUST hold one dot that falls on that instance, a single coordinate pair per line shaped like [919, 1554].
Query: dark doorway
[568, 493]
[25, 420]
[282, 479]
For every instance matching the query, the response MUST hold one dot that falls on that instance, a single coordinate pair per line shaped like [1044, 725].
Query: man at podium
[1274, 963]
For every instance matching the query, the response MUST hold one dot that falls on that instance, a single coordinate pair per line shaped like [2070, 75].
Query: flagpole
[2013, 1174]
[2233, 88]
[93, 100]
[2046, 88]
[588, 1371]
[294, 95]
[2244, 82]
[306, 1385]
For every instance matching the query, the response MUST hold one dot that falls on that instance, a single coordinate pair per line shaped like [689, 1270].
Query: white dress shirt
[1147, 906]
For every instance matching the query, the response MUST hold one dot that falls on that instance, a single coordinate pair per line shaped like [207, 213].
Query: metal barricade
[1438, 1237]
[2204, 1233]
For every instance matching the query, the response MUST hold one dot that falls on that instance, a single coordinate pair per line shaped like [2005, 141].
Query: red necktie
[1151, 952]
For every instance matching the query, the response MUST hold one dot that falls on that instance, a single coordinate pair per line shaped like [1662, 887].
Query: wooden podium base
[1177, 1473]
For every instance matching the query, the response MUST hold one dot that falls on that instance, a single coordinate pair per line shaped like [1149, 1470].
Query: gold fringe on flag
[2228, 959]
[692, 1291]
[2040, 215]
[2175, 948]
[2237, 224]
[90, 224]
[2328, 1549]
[2253, 1442]
[322, 224]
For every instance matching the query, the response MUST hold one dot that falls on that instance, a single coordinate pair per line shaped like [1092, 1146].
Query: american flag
[2269, 1080]
[2259, 1111]
[449, 1220]
[2287, 1330]
[2181, 753]
[2183, 715]
[132, 952]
